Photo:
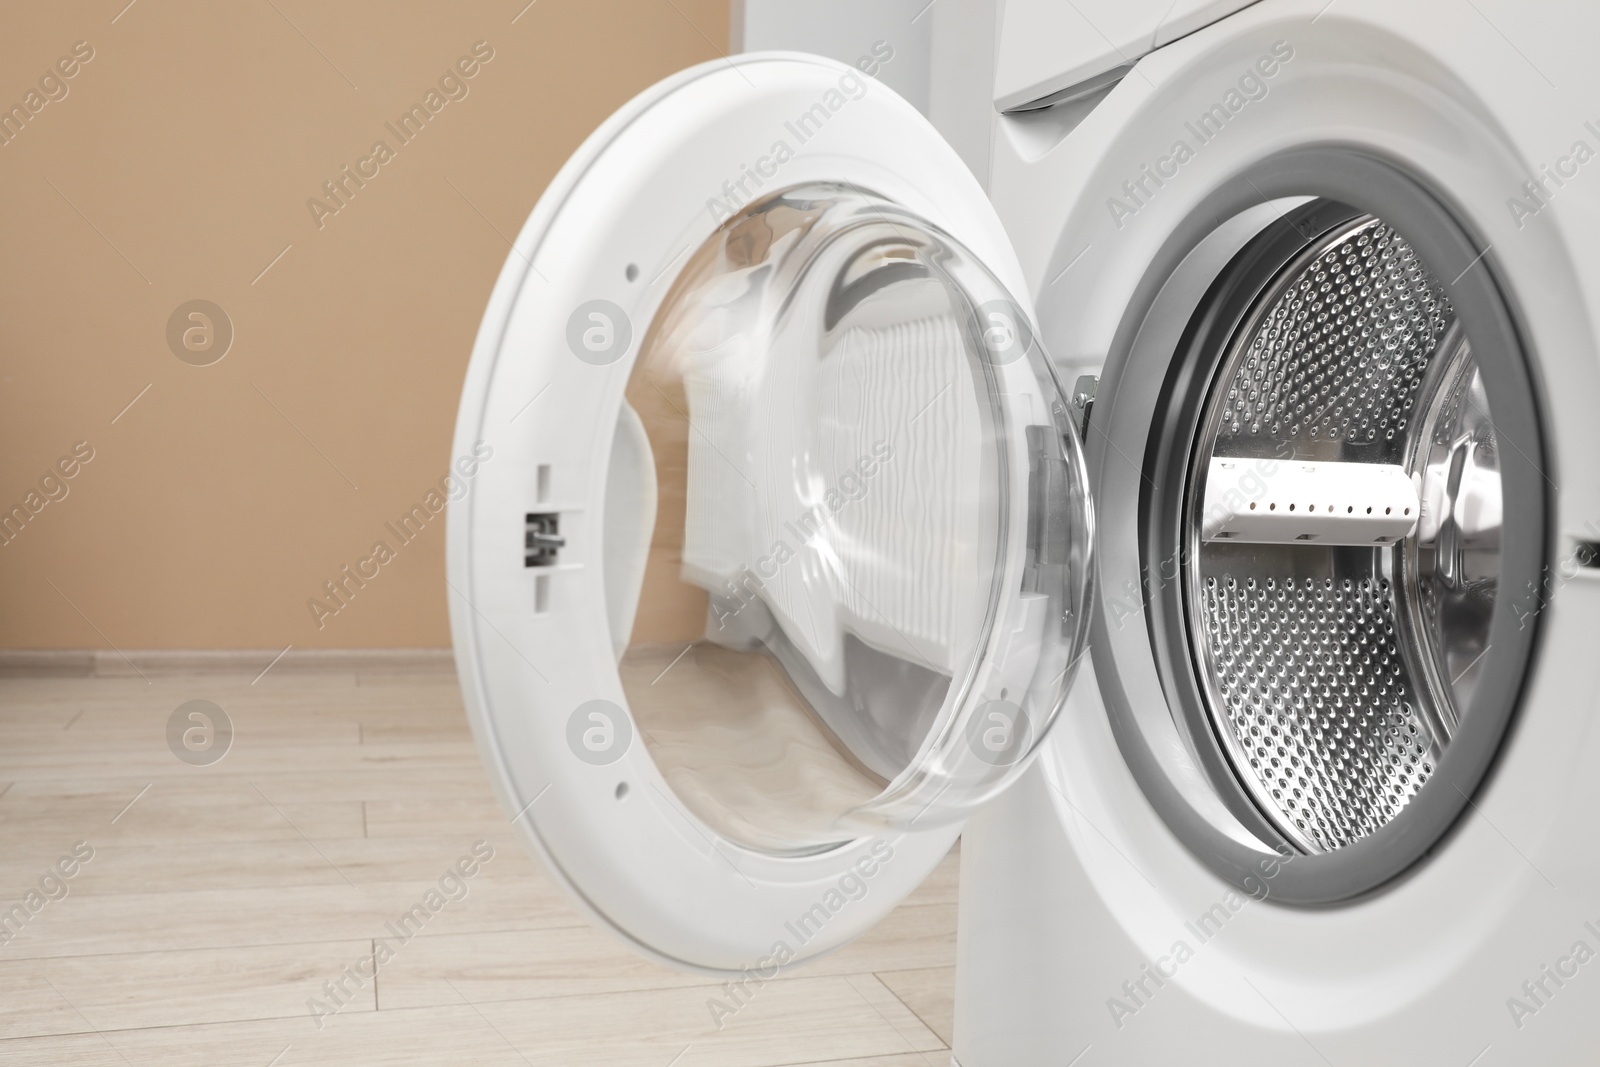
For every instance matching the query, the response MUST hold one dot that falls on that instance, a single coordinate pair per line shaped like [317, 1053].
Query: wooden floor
[220, 899]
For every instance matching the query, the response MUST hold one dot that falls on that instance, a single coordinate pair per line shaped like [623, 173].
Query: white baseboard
[104, 663]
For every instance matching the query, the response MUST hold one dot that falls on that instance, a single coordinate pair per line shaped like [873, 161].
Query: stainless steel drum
[1324, 507]
[1344, 534]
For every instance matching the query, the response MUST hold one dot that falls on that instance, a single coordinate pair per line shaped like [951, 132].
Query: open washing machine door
[776, 566]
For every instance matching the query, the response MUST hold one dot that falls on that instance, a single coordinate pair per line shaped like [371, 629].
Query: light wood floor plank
[174, 866]
[432, 815]
[784, 1022]
[431, 1038]
[791, 1023]
[105, 924]
[928, 993]
[222, 897]
[162, 816]
[940, 885]
[246, 760]
[172, 988]
[517, 965]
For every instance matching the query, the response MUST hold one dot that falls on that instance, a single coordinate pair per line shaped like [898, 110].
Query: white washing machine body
[1088, 928]
[780, 573]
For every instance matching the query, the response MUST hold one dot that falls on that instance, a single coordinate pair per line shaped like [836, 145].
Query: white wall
[943, 53]
[844, 30]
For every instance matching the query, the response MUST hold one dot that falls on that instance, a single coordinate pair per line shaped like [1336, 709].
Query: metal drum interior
[1344, 527]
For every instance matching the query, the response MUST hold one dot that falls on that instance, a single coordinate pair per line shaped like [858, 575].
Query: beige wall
[176, 167]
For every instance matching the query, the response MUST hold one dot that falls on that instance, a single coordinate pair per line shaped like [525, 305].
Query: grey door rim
[1344, 179]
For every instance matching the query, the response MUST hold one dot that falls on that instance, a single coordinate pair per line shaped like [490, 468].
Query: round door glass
[846, 527]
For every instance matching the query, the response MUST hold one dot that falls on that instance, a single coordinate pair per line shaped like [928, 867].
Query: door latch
[543, 539]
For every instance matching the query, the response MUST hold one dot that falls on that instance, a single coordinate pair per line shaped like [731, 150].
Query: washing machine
[1183, 494]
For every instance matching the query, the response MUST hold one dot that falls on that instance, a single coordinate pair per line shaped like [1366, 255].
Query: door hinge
[1083, 401]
